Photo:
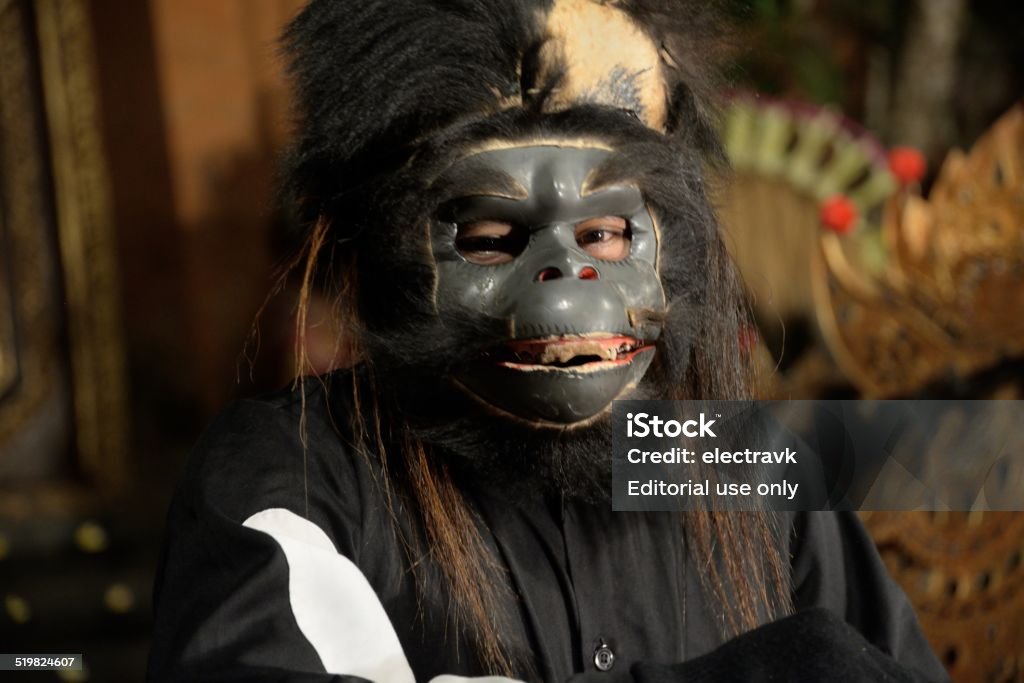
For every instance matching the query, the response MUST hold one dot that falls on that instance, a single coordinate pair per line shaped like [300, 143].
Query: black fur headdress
[373, 78]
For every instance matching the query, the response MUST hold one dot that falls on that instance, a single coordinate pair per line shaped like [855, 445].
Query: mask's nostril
[589, 273]
[548, 274]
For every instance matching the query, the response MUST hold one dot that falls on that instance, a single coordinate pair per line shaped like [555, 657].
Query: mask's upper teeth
[566, 351]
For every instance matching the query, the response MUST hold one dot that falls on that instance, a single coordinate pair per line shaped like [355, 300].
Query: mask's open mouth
[576, 353]
[562, 379]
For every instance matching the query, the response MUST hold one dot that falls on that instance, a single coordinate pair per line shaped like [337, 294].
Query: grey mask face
[569, 268]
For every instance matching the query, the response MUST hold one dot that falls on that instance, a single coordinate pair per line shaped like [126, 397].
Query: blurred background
[139, 239]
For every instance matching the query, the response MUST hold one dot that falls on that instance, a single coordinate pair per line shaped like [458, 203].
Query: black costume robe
[282, 563]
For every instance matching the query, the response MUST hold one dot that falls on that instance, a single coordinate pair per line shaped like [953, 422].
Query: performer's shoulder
[290, 449]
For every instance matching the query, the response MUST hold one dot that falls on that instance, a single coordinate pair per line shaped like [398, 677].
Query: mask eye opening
[489, 242]
[607, 238]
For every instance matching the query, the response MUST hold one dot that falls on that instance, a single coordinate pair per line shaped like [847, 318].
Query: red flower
[838, 214]
[907, 164]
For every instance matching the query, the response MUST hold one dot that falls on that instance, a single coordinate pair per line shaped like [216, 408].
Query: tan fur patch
[608, 60]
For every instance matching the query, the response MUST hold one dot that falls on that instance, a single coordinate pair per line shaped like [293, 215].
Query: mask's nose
[550, 273]
[554, 273]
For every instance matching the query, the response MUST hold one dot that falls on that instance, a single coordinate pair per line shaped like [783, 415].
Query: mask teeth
[566, 352]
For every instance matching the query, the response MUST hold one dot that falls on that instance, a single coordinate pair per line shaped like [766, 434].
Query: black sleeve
[837, 567]
[222, 602]
[851, 623]
[812, 645]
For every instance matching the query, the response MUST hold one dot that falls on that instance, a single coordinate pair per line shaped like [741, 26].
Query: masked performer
[506, 198]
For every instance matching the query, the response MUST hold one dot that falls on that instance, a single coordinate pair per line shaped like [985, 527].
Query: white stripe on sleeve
[334, 605]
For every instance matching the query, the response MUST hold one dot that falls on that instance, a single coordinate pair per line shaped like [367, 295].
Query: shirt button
[604, 658]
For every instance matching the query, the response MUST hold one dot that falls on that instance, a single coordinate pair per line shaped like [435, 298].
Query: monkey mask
[518, 186]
